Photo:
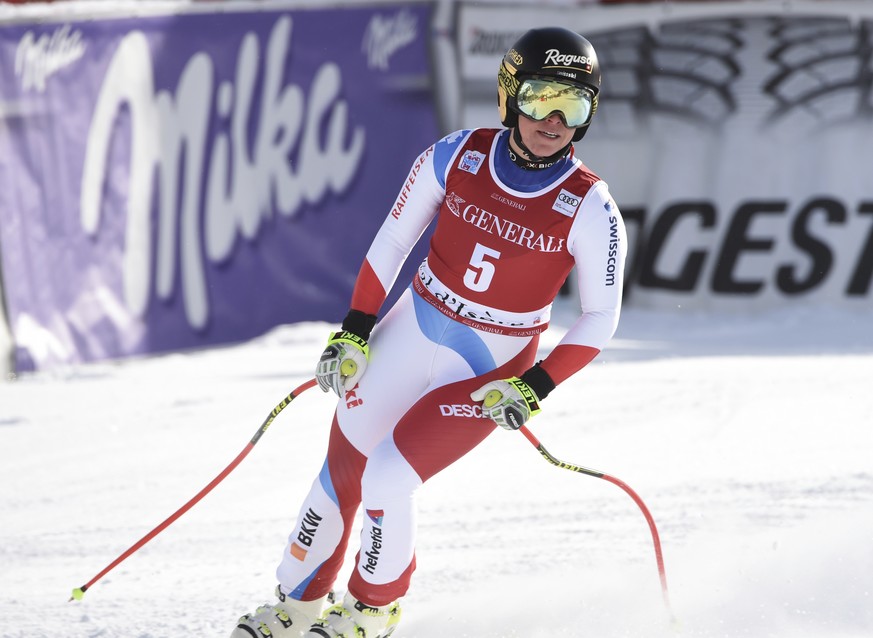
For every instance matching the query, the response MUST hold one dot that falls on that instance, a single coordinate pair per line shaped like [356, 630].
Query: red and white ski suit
[504, 243]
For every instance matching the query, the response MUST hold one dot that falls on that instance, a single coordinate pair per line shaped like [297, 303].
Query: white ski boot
[287, 618]
[354, 619]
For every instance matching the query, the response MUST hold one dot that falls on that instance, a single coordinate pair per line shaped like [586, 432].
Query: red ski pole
[659, 556]
[79, 592]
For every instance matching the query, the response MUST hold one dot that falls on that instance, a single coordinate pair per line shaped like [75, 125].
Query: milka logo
[36, 59]
[554, 56]
[235, 179]
[384, 36]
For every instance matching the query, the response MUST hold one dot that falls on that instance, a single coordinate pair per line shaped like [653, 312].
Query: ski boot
[354, 619]
[287, 618]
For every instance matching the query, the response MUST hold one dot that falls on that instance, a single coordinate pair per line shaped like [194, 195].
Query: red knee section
[446, 423]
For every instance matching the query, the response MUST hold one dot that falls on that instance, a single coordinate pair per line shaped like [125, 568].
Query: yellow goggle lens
[540, 98]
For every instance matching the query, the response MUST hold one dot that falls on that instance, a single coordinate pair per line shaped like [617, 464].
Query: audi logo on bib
[567, 203]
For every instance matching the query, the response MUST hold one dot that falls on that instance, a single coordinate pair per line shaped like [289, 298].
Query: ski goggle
[540, 98]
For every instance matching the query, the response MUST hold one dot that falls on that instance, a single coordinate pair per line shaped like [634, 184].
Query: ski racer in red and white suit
[506, 239]
[454, 357]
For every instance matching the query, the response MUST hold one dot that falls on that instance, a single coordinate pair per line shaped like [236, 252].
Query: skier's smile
[544, 137]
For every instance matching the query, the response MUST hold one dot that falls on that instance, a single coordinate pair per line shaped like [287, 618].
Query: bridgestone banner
[737, 138]
[173, 181]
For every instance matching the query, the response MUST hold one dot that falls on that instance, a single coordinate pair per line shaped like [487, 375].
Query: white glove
[508, 402]
[343, 362]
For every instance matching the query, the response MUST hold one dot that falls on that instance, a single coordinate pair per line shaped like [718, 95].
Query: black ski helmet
[551, 52]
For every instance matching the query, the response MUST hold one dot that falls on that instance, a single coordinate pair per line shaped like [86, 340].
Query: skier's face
[544, 137]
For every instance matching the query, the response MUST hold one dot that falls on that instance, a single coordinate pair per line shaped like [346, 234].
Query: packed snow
[749, 439]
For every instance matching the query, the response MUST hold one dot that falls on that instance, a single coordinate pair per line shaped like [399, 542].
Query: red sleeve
[566, 360]
[368, 294]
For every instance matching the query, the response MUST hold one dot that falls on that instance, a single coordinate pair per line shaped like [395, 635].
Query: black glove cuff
[539, 381]
[360, 323]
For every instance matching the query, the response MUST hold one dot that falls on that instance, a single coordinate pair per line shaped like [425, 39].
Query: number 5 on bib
[481, 271]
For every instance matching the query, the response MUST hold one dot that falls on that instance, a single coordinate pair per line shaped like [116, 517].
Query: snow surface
[748, 439]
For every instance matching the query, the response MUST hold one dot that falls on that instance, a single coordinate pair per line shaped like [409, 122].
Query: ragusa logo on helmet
[554, 56]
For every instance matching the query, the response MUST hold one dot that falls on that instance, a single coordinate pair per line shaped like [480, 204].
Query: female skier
[454, 357]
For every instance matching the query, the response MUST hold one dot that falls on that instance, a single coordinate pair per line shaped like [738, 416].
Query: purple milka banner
[178, 181]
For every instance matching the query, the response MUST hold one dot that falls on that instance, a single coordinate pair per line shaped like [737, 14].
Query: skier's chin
[546, 145]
